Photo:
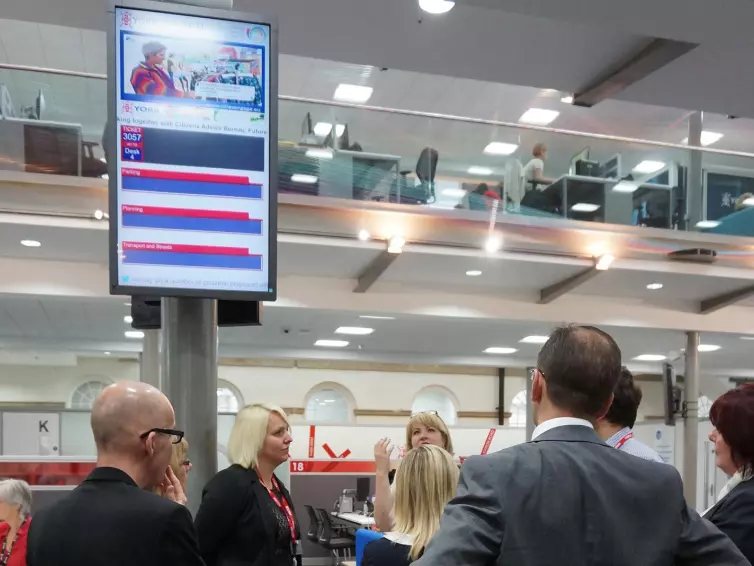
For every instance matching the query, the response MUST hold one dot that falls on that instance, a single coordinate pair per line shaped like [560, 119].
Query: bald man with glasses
[113, 518]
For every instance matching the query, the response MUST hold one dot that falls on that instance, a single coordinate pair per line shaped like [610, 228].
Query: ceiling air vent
[694, 255]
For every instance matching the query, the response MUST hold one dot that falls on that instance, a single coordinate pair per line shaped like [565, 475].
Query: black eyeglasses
[175, 435]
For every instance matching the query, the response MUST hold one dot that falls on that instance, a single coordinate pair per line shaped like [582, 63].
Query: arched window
[705, 404]
[436, 399]
[328, 403]
[229, 398]
[85, 394]
[518, 410]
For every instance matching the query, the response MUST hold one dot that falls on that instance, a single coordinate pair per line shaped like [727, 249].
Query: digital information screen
[192, 204]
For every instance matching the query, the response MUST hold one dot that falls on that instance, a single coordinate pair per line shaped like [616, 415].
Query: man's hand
[382, 451]
[172, 488]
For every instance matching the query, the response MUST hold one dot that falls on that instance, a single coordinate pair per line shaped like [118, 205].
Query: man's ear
[538, 387]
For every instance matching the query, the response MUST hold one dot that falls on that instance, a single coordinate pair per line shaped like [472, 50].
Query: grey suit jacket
[569, 499]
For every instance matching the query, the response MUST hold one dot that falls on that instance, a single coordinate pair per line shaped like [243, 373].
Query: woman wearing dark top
[732, 415]
[424, 484]
[246, 516]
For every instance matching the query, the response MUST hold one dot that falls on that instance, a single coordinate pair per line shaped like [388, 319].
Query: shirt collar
[558, 422]
[614, 439]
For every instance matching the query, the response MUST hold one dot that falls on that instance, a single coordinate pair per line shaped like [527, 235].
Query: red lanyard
[283, 506]
[623, 440]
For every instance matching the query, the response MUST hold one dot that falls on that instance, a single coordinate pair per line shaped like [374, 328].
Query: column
[529, 404]
[694, 193]
[189, 354]
[691, 420]
[149, 359]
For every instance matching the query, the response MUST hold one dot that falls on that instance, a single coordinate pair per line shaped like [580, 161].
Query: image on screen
[193, 135]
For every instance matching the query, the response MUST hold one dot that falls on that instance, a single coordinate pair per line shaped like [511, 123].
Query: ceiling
[94, 326]
[547, 44]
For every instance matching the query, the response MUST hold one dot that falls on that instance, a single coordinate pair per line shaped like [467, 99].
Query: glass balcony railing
[53, 122]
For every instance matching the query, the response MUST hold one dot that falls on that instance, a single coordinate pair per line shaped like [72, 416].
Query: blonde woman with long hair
[424, 484]
[425, 427]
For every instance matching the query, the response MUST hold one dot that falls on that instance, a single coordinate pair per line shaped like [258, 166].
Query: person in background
[732, 415]
[149, 77]
[424, 484]
[425, 427]
[534, 170]
[180, 464]
[15, 514]
[615, 428]
[113, 518]
[246, 516]
[566, 497]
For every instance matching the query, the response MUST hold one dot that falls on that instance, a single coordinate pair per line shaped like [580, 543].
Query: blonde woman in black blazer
[247, 516]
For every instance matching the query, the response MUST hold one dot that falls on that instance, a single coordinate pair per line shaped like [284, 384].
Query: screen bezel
[111, 145]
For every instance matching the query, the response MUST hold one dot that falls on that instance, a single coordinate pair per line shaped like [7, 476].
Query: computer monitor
[611, 168]
[362, 489]
[582, 155]
[306, 126]
[7, 109]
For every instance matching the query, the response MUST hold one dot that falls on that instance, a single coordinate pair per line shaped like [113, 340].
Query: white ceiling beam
[372, 272]
[714, 304]
[556, 290]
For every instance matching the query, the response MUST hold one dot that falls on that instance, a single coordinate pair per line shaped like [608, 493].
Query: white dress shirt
[559, 421]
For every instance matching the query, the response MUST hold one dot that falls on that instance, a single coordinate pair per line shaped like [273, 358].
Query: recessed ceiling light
[98, 214]
[354, 330]
[747, 337]
[454, 193]
[538, 116]
[534, 339]
[331, 343]
[128, 319]
[585, 207]
[625, 187]
[353, 93]
[305, 179]
[707, 348]
[567, 99]
[375, 317]
[650, 358]
[708, 138]
[321, 129]
[703, 224]
[500, 350]
[395, 244]
[436, 6]
[500, 148]
[604, 262]
[749, 201]
[648, 166]
[654, 286]
[107, 353]
[31, 243]
[319, 153]
[134, 334]
[473, 273]
[474, 170]
[493, 244]
[364, 235]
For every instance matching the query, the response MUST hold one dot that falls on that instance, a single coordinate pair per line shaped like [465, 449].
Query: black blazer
[734, 515]
[234, 524]
[109, 521]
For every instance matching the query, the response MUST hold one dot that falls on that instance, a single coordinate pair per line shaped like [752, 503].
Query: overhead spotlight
[99, 215]
[436, 6]
[604, 262]
[31, 243]
[105, 176]
[567, 99]
[363, 235]
[395, 244]
[493, 244]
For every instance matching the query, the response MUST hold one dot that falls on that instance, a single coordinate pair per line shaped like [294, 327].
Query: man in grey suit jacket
[566, 497]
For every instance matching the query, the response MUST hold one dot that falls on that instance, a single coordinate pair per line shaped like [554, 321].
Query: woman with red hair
[732, 415]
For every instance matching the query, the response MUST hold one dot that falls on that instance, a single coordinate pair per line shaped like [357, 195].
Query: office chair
[91, 166]
[328, 539]
[424, 192]
[315, 525]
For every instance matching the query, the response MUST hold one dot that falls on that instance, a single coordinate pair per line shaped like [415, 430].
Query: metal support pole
[501, 396]
[189, 328]
[529, 404]
[691, 420]
[694, 192]
[149, 359]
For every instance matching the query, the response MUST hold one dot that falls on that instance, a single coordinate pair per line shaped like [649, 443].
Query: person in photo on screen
[149, 78]
[616, 427]
[15, 514]
[246, 516]
[424, 484]
[424, 427]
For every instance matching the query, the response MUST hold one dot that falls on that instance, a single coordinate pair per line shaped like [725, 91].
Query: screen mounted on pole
[193, 154]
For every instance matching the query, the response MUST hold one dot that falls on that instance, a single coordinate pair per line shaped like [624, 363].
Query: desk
[354, 519]
[359, 175]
